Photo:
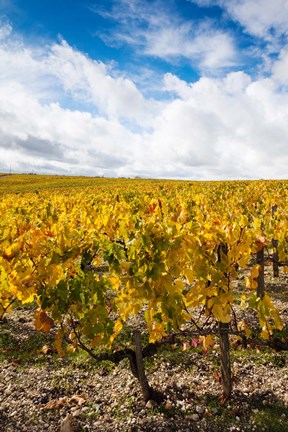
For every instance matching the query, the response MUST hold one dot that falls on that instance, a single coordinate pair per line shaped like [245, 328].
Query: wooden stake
[260, 278]
[275, 249]
[225, 359]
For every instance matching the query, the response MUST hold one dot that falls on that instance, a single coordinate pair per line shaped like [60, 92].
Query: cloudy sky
[194, 89]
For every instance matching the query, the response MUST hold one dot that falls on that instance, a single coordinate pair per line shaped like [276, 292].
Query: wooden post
[146, 389]
[260, 278]
[224, 344]
[225, 359]
[275, 258]
[275, 249]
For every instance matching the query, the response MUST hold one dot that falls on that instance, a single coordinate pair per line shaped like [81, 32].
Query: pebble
[200, 409]
[85, 409]
[194, 417]
[150, 404]
[214, 411]
[168, 405]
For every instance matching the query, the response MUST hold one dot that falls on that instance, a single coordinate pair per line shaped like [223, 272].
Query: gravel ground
[42, 392]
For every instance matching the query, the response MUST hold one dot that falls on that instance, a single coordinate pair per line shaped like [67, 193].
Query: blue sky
[153, 88]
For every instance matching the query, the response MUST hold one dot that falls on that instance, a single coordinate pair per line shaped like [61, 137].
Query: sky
[183, 89]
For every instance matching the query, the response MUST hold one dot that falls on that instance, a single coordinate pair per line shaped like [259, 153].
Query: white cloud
[210, 49]
[76, 141]
[25, 65]
[5, 30]
[263, 18]
[167, 36]
[259, 17]
[53, 70]
[229, 127]
[35, 128]
[233, 124]
[280, 68]
[91, 81]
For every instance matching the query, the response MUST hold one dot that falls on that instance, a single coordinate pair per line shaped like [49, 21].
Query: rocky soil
[41, 392]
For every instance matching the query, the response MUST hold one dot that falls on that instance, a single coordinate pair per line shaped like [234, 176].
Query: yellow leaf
[255, 271]
[115, 282]
[189, 274]
[243, 301]
[248, 332]
[261, 242]
[207, 342]
[243, 325]
[118, 326]
[58, 343]
[265, 334]
[55, 274]
[221, 313]
[11, 251]
[43, 322]
[29, 299]
[96, 340]
[185, 346]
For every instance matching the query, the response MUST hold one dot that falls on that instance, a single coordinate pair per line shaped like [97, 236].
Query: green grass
[272, 418]
[25, 349]
[262, 356]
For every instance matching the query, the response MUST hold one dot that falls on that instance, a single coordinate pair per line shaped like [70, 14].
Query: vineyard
[126, 269]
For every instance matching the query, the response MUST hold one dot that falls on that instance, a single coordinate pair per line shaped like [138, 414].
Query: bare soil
[41, 392]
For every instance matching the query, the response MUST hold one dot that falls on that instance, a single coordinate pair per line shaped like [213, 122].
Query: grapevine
[92, 256]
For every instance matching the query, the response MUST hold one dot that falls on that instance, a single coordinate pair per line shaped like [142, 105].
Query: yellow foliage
[42, 321]
[207, 342]
[160, 240]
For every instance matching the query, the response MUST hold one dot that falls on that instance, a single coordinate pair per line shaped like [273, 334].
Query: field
[140, 305]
